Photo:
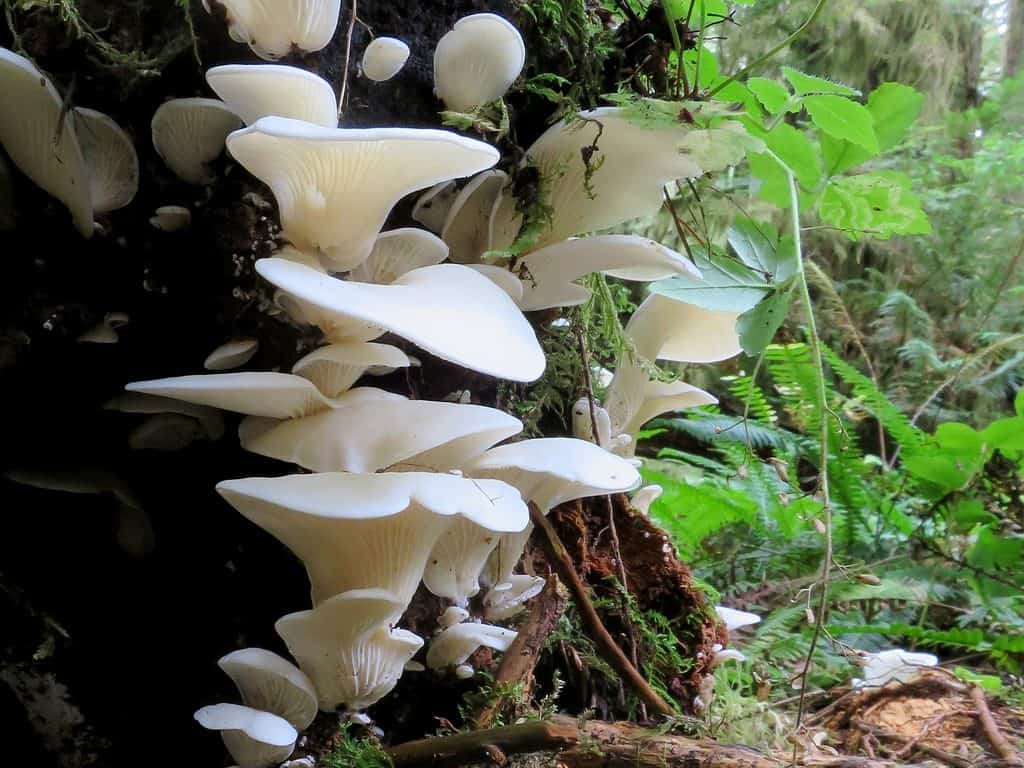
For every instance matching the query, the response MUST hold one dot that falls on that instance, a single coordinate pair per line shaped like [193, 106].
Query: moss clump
[351, 752]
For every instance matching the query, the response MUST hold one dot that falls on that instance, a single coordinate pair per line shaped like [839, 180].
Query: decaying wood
[603, 641]
[521, 658]
[995, 736]
[939, 754]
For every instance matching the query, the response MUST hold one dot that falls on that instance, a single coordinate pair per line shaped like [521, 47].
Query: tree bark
[1013, 51]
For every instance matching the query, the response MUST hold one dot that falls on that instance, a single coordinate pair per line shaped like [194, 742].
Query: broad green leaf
[754, 243]
[771, 93]
[966, 513]
[993, 552]
[877, 205]
[708, 66]
[728, 285]
[805, 84]
[942, 472]
[1018, 402]
[841, 155]
[713, 10]
[990, 683]
[797, 152]
[774, 186]
[894, 107]
[758, 326]
[959, 439]
[843, 119]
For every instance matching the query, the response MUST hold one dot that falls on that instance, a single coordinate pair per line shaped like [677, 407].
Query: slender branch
[995, 737]
[606, 646]
[762, 59]
[348, 56]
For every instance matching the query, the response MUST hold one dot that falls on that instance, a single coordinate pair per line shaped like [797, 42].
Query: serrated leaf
[797, 152]
[708, 66]
[771, 93]
[894, 107]
[728, 285]
[758, 326]
[774, 187]
[876, 205]
[804, 84]
[843, 119]
[754, 243]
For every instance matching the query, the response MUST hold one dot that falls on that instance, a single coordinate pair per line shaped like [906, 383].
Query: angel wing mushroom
[253, 91]
[111, 158]
[255, 739]
[274, 29]
[477, 61]
[272, 684]
[334, 368]
[384, 58]
[189, 134]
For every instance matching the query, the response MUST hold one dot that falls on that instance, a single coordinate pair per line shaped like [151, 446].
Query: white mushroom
[336, 186]
[502, 278]
[134, 402]
[348, 648]
[431, 208]
[477, 61]
[662, 397]
[111, 159]
[467, 226]
[384, 58]
[735, 619]
[171, 218]
[397, 252]
[548, 273]
[357, 531]
[588, 413]
[253, 91]
[40, 137]
[894, 664]
[369, 434]
[231, 354]
[454, 644]
[503, 604]
[273, 29]
[188, 134]
[452, 615]
[272, 684]
[723, 655]
[641, 500]
[105, 332]
[547, 472]
[336, 367]
[255, 739]
[447, 309]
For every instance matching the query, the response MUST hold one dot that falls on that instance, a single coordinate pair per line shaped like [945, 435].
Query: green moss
[356, 753]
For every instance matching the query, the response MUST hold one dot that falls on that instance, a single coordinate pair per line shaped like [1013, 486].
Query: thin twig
[995, 736]
[348, 57]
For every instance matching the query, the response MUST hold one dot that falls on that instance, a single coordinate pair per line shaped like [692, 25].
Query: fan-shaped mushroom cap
[369, 434]
[503, 604]
[548, 273]
[735, 619]
[585, 418]
[666, 329]
[548, 471]
[171, 218]
[272, 29]
[347, 647]
[253, 91]
[336, 186]
[255, 739]
[397, 252]
[111, 159]
[502, 278]
[895, 664]
[384, 58]
[477, 61]
[447, 309]
[453, 614]
[105, 331]
[272, 684]
[336, 367]
[457, 559]
[467, 226]
[40, 137]
[454, 644]
[431, 208]
[661, 397]
[135, 402]
[360, 531]
[231, 354]
[632, 164]
[256, 393]
[641, 500]
[190, 133]
[723, 655]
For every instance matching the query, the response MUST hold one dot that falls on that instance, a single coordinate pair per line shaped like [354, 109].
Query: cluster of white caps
[400, 491]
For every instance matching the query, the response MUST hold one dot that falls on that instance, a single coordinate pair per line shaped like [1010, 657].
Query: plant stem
[348, 56]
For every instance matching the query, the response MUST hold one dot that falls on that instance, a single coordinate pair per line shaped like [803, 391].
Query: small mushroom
[272, 684]
[253, 91]
[662, 397]
[397, 252]
[431, 208]
[452, 615]
[336, 367]
[274, 29]
[232, 354]
[503, 604]
[894, 664]
[467, 226]
[105, 332]
[171, 218]
[735, 619]
[384, 58]
[189, 134]
[455, 644]
[255, 739]
[111, 159]
[477, 61]
[642, 500]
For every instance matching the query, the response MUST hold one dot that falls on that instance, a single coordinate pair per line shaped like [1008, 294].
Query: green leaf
[753, 242]
[713, 10]
[990, 683]
[877, 205]
[728, 285]
[772, 94]
[797, 152]
[1018, 402]
[894, 107]
[774, 187]
[757, 327]
[992, 552]
[843, 119]
[708, 66]
[805, 84]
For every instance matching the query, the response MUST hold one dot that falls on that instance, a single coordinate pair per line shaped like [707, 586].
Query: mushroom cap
[548, 273]
[336, 186]
[666, 329]
[454, 644]
[190, 133]
[253, 91]
[334, 368]
[467, 226]
[502, 278]
[477, 61]
[255, 739]
[501, 605]
[357, 531]
[231, 354]
[661, 397]
[171, 218]
[41, 137]
[735, 619]
[431, 208]
[370, 434]
[347, 647]
[272, 29]
[256, 393]
[397, 252]
[272, 684]
[629, 169]
[384, 58]
[642, 500]
[453, 614]
[111, 159]
[448, 310]
[894, 664]
[137, 402]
